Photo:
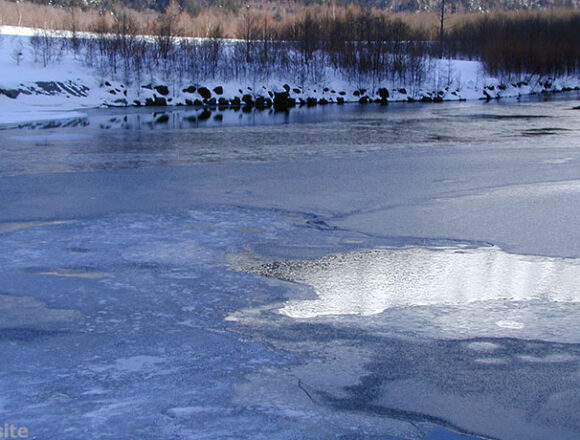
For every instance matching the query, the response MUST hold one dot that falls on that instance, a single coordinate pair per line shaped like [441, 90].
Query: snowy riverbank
[31, 91]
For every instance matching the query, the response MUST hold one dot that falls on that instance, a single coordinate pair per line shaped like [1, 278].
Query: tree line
[365, 46]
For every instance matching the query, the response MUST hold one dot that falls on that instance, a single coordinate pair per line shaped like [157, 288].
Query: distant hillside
[194, 6]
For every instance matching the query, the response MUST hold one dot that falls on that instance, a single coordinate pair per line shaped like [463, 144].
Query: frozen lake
[357, 272]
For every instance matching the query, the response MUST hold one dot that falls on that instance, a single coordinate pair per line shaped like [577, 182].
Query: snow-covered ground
[31, 91]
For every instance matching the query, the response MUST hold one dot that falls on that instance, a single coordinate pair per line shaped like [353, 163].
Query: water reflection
[369, 281]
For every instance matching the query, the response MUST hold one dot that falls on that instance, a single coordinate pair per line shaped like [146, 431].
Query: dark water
[132, 138]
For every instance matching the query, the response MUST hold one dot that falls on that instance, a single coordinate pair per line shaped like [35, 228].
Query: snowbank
[33, 90]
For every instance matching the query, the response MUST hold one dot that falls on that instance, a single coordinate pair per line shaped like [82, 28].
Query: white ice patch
[550, 359]
[483, 346]
[368, 282]
[191, 411]
[514, 325]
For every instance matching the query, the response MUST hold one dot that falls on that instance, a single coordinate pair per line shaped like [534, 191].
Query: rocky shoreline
[279, 96]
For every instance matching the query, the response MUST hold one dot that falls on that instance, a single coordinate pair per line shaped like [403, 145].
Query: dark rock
[438, 99]
[297, 91]
[219, 90]
[210, 101]
[162, 90]
[340, 100]
[323, 101]
[310, 102]
[107, 84]
[248, 100]
[356, 93]
[576, 108]
[147, 86]
[383, 93]
[363, 100]
[547, 85]
[281, 100]
[402, 91]
[236, 101]
[240, 90]
[286, 87]
[490, 87]
[121, 101]
[188, 102]
[112, 92]
[11, 93]
[218, 117]
[270, 94]
[223, 101]
[50, 87]
[263, 103]
[156, 101]
[487, 95]
[326, 89]
[566, 89]
[426, 98]
[198, 102]
[190, 89]
[137, 103]
[204, 92]
[363, 91]
[502, 87]
[163, 119]
[342, 93]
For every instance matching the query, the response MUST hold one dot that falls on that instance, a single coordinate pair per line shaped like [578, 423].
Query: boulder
[162, 90]
[263, 103]
[248, 100]
[190, 89]
[219, 90]
[156, 101]
[204, 92]
[11, 93]
[281, 100]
